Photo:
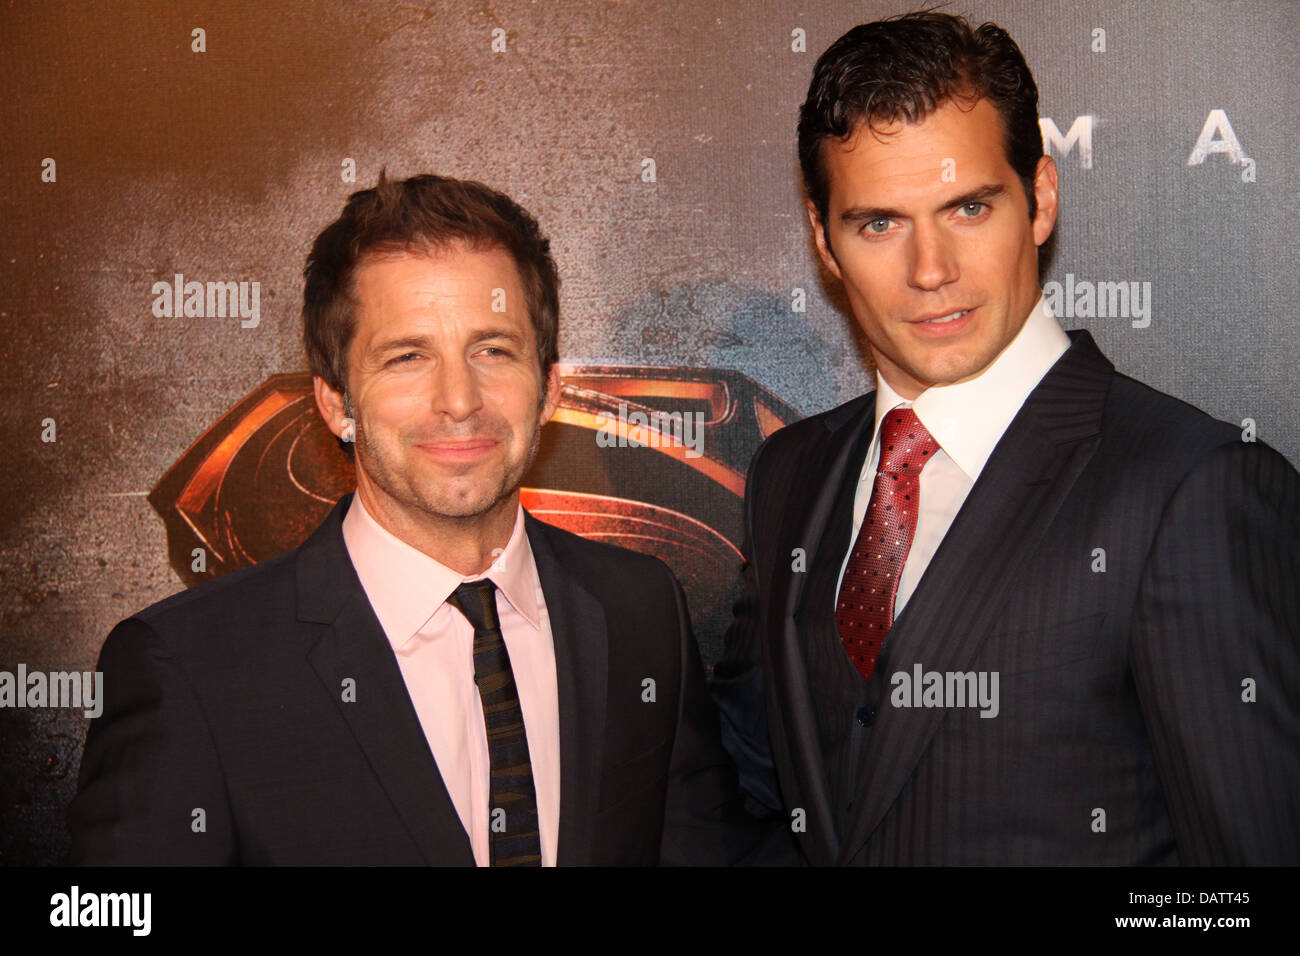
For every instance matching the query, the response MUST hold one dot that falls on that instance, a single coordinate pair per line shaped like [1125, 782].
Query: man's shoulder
[267, 589]
[1154, 443]
[247, 591]
[1156, 425]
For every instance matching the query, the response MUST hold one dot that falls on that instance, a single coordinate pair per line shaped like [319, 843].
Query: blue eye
[871, 226]
[978, 208]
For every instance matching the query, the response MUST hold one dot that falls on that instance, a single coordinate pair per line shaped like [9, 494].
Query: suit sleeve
[1215, 656]
[149, 765]
[737, 688]
[737, 684]
[704, 824]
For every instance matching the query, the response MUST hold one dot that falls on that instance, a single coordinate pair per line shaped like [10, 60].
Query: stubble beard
[436, 499]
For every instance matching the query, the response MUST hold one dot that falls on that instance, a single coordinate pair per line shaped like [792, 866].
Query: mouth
[950, 323]
[467, 450]
[945, 319]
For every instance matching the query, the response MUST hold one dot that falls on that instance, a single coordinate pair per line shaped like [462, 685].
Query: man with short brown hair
[434, 676]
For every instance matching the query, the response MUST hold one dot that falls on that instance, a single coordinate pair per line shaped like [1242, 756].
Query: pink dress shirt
[434, 644]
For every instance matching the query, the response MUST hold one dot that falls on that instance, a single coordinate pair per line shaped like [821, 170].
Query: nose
[933, 262]
[457, 391]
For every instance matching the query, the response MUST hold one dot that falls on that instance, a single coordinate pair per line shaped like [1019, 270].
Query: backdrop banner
[167, 165]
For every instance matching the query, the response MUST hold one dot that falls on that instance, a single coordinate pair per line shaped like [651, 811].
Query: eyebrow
[869, 213]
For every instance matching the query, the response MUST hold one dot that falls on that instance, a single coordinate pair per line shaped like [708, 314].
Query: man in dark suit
[1013, 607]
[434, 676]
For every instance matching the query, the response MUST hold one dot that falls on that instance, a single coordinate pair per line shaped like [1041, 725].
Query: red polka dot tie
[865, 610]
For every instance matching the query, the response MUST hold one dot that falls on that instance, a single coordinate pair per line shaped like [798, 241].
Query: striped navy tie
[513, 836]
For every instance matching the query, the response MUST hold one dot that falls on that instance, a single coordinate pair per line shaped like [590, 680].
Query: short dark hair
[424, 213]
[903, 69]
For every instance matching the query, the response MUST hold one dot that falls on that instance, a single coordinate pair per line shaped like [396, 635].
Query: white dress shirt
[967, 419]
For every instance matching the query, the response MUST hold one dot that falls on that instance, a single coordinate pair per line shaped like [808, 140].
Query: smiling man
[434, 676]
[1010, 607]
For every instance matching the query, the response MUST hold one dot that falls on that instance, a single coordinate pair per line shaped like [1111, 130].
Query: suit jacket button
[866, 716]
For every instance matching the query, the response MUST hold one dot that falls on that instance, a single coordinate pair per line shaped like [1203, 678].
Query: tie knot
[477, 600]
[905, 445]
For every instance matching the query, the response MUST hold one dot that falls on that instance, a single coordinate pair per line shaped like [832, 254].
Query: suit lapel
[581, 665]
[812, 499]
[959, 598]
[383, 720]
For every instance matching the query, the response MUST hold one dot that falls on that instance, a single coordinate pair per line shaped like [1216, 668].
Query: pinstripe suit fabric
[1149, 707]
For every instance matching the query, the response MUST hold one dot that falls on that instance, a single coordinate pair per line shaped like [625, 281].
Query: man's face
[447, 392]
[926, 221]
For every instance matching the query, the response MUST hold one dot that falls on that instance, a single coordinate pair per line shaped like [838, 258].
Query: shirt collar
[406, 587]
[967, 419]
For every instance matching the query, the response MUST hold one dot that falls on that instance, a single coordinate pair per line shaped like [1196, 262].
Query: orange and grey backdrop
[655, 143]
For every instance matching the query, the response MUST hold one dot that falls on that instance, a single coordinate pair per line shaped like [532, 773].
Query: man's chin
[466, 506]
[956, 368]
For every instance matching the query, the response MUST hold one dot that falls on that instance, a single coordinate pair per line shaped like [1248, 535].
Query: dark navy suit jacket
[228, 698]
[1163, 691]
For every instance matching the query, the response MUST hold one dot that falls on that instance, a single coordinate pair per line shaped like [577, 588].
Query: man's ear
[550, 396]
[1046, 198]
[819, 237]
[330, 403]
